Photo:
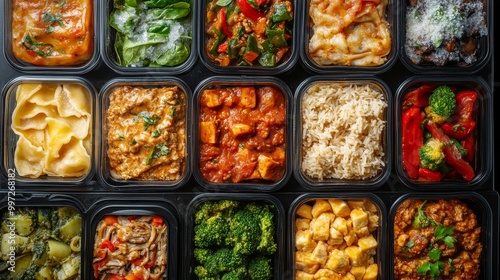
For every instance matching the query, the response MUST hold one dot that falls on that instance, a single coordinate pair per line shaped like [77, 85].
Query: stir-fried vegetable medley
[152, 33]
[249, 32]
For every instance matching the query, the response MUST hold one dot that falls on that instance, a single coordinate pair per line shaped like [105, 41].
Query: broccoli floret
[223, 260]
[266, 222]
[209, 209]
[442, 101]
[239, 273]
[431, 154]
[202, 254]
[211, 231]
[244, 235]
[260, 268]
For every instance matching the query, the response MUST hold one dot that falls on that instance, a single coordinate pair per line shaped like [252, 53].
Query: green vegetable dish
[152, 33]
[248, 32]
[41, 243]
[234, 240]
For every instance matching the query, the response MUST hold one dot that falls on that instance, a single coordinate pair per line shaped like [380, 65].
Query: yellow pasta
[53, 122]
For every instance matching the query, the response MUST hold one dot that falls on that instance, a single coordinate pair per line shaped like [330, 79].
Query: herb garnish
[156, 133]
[120, 137]
[148, 119]
[172, 111]
[441, 233]
[158, 151]
[52, 19]
[31, 45]
[241, 146]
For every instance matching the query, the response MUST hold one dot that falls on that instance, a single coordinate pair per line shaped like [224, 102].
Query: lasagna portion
[52, 32]
[349, 33]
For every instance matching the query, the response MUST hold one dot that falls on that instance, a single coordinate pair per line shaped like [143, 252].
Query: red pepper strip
[418, 97]
[466, 101]
[157, 221]
[458, 130]
[430, 175]
[451, 153]
[260, 2]
[412, 140]
[222, 48]
[107, 244]
[223, 22]
[249, 11]
[468, 144]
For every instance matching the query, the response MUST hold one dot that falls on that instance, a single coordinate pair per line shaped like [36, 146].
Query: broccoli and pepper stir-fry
[438, 138]
[234, 240]
[248, 32]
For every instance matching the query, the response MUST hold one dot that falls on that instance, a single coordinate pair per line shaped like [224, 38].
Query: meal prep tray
[173, 203]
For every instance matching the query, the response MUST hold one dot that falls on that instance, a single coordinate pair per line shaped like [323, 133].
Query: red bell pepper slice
[98, 265]
[451, 153]
[107, 244]
[249, 11]
[222, 48]
[466, 101]
[458, 130]
[223, 22]
[468, 144]
[157, 221]
[418, 97]
[430, 175]
[412, 140]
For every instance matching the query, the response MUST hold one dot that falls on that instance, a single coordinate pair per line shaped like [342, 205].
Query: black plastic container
[132, 207]
[220, 82]
[482, 162]
[284, 66]
[52, 202]
[391, 14]
[55, 70]
[334, 184]
[104, 170]
[484, 45]
[352, 200]
[475, 202]
[277, 258]
[108, 54]
[10, 138]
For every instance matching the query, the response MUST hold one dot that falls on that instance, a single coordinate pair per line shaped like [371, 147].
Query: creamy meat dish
[147, 133]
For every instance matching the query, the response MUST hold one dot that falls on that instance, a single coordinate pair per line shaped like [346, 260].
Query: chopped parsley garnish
[172, 111]
[148, 119]
[120, 137]
[133, 142]
[158, 151]
[421, 220]
[408, 245]
[441, 233]
[52, 19]
[156, 133]
[241, 146]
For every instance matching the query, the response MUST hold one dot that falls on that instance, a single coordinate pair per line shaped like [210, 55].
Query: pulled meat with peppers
[436, 239]
[248, 32]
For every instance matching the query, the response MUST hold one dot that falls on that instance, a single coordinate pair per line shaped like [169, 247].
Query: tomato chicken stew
[242, 134]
